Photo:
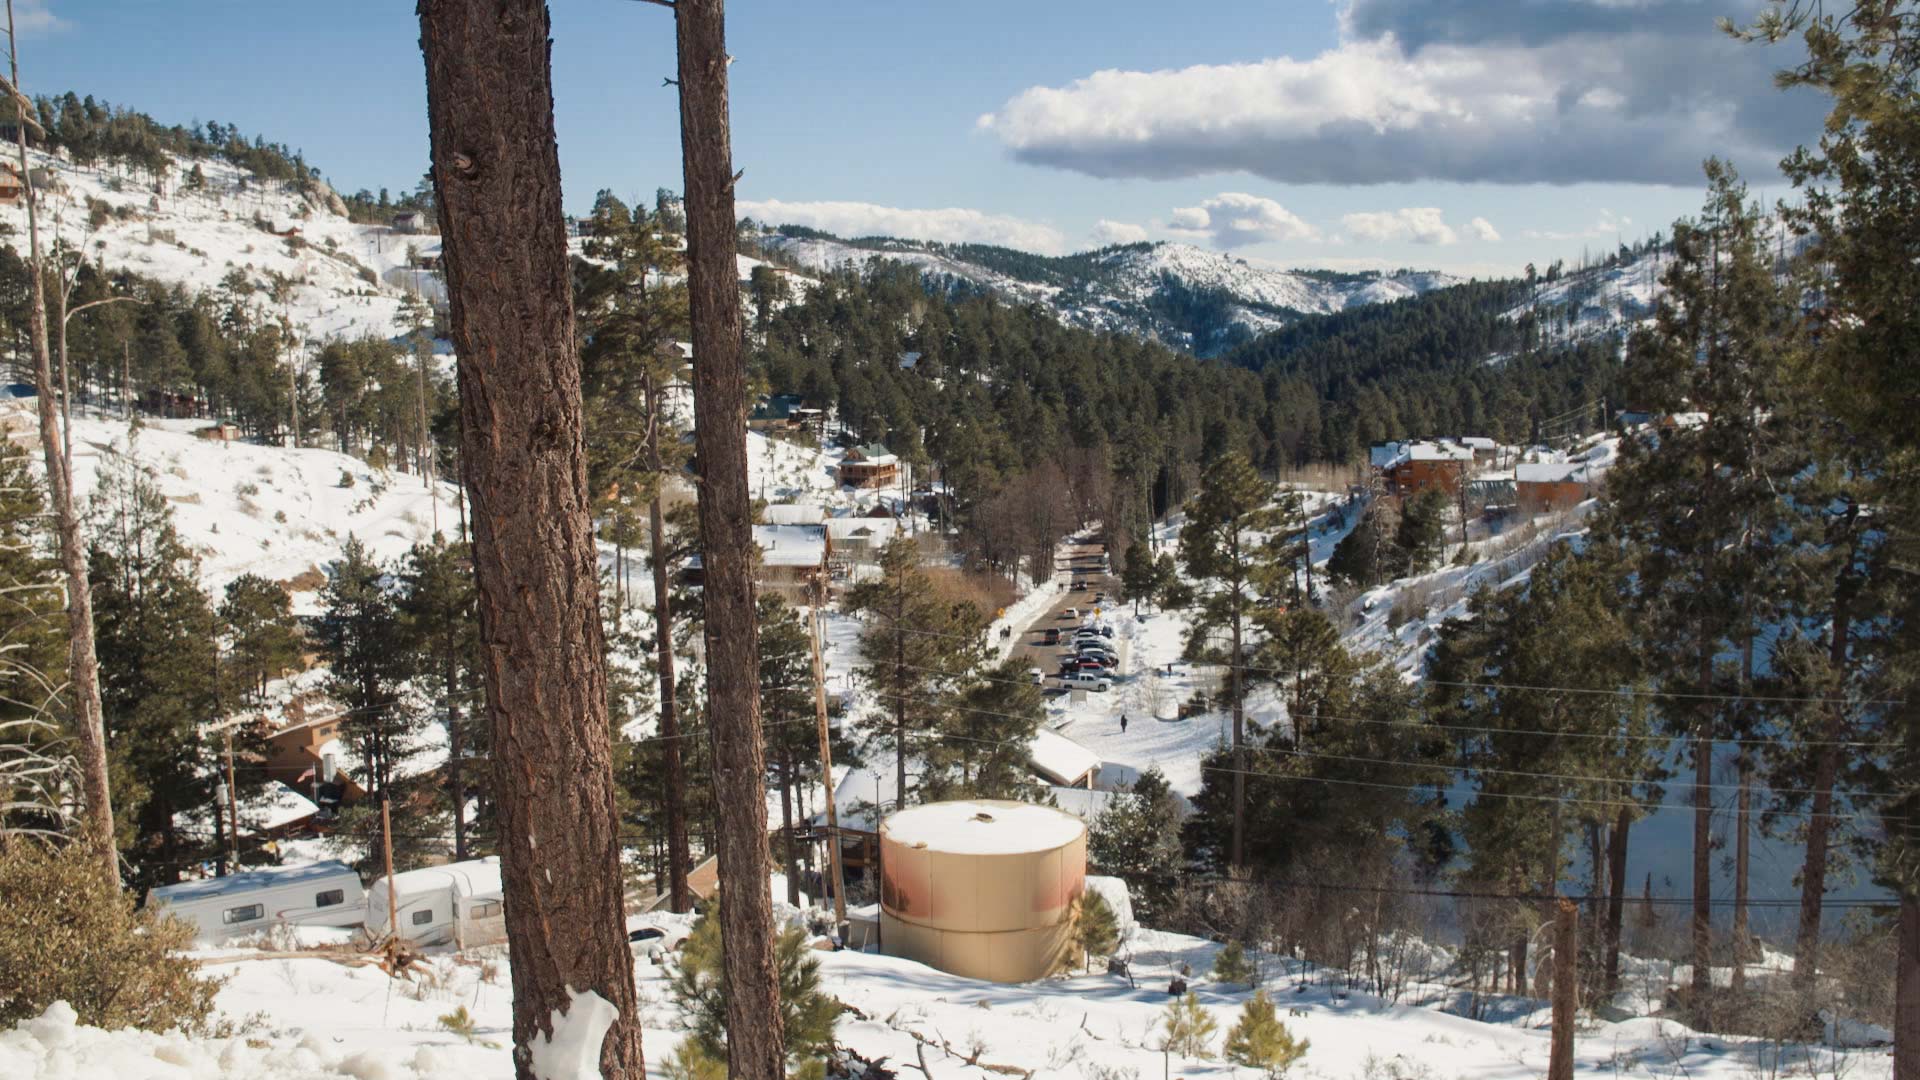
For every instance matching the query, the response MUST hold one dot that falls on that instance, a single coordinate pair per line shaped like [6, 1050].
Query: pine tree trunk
[679, 857]
[83, 666]
[791, 865]
[755, 1042]
[1702, 925]
[497, 180]
[1906, 1002]
[1239, 719]
[1742, 861]
[1826, 767]
[456, 752]
[1616, 896]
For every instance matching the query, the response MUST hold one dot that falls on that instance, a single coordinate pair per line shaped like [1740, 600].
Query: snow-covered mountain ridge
[1187, 297]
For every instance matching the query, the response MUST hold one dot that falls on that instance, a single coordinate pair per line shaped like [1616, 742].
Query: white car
[1070, 613]
[1097, 683]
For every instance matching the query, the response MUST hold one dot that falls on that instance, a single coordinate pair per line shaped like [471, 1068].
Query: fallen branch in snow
[974, 1060]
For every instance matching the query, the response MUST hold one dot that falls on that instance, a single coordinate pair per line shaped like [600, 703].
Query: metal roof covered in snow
[269, 877]
[1550, 472]
[1059, 759]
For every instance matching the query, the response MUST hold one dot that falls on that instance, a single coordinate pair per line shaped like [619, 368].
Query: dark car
[1053, 635]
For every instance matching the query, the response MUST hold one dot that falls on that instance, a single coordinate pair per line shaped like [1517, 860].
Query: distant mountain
[1204, 302]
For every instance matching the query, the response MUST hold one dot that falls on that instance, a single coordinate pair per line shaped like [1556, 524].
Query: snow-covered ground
[275, 511]
[347, 280]
[306, 1016]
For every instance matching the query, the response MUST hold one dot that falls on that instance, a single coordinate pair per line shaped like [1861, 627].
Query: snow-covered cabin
[317, 894]
[409, 221]
[859, 539]
[801, 513]
[791, 556]
[1413, 467]
[870, 466]
[1543, 486]
[1060, 761]
[457, 903]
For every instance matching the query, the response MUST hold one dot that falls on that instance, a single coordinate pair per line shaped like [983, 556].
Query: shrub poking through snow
[65, 935]
[1188, 1028]
[1094, 928]
[1259, 1040]
[1231, 966]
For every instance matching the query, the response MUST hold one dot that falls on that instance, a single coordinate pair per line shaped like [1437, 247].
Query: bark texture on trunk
[83, 666]
[755, 1042]
[1826, 769]
[496, 174]
[1742, 863]
[1906, 1001]
[1566, 999]
[679, 857]
[1616, 896]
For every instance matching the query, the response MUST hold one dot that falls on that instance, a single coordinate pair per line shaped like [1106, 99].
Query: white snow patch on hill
[195, 239]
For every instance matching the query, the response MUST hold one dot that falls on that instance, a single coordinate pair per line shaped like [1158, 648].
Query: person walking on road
[1123, 723]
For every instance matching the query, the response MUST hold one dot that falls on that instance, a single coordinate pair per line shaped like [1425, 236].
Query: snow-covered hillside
[346, 280]
[278, 512]
[1137, 289]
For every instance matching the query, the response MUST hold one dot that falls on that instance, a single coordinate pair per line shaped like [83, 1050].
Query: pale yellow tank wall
[1004, 918]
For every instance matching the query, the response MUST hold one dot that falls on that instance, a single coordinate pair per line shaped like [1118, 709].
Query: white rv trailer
[458, 903]
[222, 908]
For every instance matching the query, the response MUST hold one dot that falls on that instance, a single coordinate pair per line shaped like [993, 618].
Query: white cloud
[1233, 218]
[952, 225]
[1629, 100]
[1117, 232]
[1419, 224]
[1608, 226]
[32, 16]
[1482, 229]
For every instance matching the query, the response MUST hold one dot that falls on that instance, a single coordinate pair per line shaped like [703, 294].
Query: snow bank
[572, 1052]
[56, 1045]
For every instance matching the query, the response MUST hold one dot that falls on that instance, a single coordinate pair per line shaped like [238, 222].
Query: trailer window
[330, 898]
[247, 913]
[485, 909]
[422, 918]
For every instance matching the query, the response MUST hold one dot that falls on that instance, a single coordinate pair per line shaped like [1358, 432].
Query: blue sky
[1474, 135]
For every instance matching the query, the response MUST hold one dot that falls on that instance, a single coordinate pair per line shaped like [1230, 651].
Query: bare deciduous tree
[83, 667]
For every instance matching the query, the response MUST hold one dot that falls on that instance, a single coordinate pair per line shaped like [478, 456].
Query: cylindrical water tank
[983, 888]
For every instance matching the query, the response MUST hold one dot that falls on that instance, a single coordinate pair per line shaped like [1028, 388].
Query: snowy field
[304, 1016]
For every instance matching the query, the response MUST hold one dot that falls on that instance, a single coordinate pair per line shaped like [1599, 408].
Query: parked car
[653, 942]
[1105, 659]
[1039, 677]
[1087, 681]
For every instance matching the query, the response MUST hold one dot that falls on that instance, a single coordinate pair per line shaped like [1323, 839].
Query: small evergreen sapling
[1231, 966]
[1094, 928]
[1259, 1040]
[808, 1014]
[1188, 1028]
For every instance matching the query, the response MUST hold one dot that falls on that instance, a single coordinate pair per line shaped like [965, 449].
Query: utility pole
[826, 759]
[233, 810]
[386, 847]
